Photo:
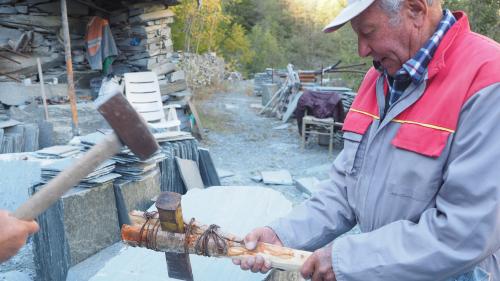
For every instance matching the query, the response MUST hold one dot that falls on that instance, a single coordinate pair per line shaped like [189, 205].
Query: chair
[317, 126]
[143, 92]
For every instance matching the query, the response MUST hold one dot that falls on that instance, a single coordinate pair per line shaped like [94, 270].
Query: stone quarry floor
[243, 142]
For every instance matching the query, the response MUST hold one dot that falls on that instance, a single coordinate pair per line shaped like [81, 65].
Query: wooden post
[42, 87]
[69, 67]
[321, 77]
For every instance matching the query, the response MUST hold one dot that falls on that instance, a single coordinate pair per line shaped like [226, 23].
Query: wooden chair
[319, 126]
[143, 92]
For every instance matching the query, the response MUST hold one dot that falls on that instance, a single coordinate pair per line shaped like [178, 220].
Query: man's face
[386, 42]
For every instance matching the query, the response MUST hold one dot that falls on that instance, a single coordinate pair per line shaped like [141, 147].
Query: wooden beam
[14, 52]
[69, 67]
[42, 88]
[10, 76]
[11, 59]
[196, 118]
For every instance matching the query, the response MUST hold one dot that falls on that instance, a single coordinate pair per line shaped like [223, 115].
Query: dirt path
[244, 142]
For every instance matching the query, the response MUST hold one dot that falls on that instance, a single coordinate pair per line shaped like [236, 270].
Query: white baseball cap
[353, 8]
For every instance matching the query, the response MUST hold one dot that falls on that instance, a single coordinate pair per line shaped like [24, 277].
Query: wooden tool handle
[280, 257]
[68, 178]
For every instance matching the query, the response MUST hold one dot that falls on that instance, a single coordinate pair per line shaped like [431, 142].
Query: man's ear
[417, 11]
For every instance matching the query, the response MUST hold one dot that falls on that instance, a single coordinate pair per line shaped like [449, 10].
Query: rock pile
[202, 70]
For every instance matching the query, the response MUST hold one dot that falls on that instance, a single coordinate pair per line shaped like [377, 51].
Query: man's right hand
[258, 263]
[13, 234]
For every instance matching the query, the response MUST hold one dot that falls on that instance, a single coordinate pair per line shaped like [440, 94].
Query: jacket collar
[462, 26]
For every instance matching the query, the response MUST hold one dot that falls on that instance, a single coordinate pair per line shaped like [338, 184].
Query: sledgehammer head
[127, 124]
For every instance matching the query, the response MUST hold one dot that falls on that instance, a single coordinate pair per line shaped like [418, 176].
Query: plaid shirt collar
[414, 69]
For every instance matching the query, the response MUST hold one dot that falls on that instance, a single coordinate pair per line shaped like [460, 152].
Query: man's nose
[364, 49]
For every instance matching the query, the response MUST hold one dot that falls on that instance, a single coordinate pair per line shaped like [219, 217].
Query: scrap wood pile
[31, 29]
[284, 101]
[278, 105]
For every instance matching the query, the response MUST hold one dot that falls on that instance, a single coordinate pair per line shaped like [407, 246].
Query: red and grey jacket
[457, 72]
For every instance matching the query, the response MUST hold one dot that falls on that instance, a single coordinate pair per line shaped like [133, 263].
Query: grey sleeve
[322, 218]
[460, 231]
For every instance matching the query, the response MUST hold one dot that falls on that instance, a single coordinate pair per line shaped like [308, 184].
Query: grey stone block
[136, 195]
[90, 220]
[83, 222]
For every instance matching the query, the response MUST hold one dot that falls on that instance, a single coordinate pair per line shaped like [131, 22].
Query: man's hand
[318, 266]
[13, 234]
[258, 264]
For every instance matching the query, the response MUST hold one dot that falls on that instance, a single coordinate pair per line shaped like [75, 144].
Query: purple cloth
[320, 105]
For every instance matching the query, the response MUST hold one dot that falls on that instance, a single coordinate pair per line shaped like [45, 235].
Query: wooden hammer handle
[68, 178]
[280, 257]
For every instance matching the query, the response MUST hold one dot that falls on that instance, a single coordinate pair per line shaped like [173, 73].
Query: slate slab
[170, 176]
[190, 173]
[208, 171]
[280, 177]
[136, 195]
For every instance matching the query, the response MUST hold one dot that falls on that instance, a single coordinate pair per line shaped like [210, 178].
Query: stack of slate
[207, 169]
[58, 152]
[260, 79]
[16, 137]
[171, 179]
[142, 34]
[132, 168]
[101, 175]
[128, 165]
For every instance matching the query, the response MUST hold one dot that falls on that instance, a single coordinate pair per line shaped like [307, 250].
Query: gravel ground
[245, 143]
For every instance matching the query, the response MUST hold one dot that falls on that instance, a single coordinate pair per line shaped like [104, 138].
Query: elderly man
[13, 234]
[419, 168]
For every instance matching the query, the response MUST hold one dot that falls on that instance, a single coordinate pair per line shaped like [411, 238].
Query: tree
[237, 49]
[244, 13]
[268, 52]
[199, 28]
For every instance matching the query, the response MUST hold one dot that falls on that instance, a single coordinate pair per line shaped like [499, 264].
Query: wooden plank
[69, 68]
[196, 118]
[190, 173]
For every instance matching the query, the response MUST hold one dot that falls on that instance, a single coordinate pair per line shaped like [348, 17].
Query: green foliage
[484, 15]
[256, 34]
[244, 13]
[268, 51]
[199, 28]
[237, 48]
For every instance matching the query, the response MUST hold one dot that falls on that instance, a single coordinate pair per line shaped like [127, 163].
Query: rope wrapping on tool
[150, 240]
[201, 245]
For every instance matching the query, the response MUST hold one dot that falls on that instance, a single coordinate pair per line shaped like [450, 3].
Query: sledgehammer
[129, 129]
